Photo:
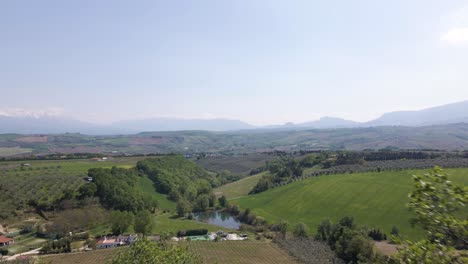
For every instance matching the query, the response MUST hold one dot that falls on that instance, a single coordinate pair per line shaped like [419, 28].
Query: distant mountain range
[445, 114]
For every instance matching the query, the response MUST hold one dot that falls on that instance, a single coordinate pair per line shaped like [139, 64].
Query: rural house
[5, 241]
[112, 242]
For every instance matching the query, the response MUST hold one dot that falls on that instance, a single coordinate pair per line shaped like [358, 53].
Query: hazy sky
[263, 62]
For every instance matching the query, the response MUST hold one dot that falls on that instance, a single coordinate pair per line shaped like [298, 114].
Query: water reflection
[218, 218]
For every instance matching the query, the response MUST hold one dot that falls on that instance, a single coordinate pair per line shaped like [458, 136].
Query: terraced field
[373, 199]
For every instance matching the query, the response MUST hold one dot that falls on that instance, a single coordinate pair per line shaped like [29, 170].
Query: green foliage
[183, 208]
[426, 251]
[143, 222]
[175, 173]
[202, 202]
[281, 228]
[116, 189]
[62, 245]
[377, 235]
[87, 190]
[223, 202]
[436, 201]
[300, 230]
[192, 232]
[350, 244]
[145, 251]
[121, 221]
[281, 171]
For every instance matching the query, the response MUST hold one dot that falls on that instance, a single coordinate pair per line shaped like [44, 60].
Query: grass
[239, 188]
[240, 252]
[25, 245]
[373, 199]
[145, 185]
[236, 164]
[5, 152]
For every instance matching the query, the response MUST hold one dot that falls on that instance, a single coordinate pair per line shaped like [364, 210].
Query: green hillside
[373, 199]
[238, 188]
[145, 185]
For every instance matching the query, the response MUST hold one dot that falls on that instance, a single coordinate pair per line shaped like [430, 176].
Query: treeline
[329, 163]
[281, 171]
[116, 190]
[183, 181]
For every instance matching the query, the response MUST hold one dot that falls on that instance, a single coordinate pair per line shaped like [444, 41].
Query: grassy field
[25, 245]
[240, 252]
[238, 188]
[239, 164]
[229, 252]
[373, 199]
[145, 185]
[5, 152]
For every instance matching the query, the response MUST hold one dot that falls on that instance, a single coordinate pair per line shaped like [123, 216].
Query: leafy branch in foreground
[436, 201]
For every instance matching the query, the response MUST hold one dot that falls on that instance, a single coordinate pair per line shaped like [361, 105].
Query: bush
[377, 235]
[3, 251]
[192, 232]
[300, 230]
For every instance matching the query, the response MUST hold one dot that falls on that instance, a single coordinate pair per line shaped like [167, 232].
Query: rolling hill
[445, 114]
[439, 115]
[445, 137]
[373, 199]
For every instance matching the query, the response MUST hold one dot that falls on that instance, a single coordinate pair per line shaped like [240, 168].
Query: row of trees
[280, 171]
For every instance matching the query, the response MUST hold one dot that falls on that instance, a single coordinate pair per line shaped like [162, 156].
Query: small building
[108, 242]
[6, 241]
[112, 242]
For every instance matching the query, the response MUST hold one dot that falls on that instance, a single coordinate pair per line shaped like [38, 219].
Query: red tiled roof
[4, 239]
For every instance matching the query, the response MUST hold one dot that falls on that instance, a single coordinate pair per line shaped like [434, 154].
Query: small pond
[218, 218]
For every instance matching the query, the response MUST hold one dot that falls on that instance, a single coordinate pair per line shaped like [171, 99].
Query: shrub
[300, 230]
[192, 232]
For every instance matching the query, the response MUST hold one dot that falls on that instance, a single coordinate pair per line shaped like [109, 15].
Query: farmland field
[373, 199]
[5, 152]
[45, 180]
[240, 252]
[239, 165]
[93, 257]
[238, 188]
[229, 252]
